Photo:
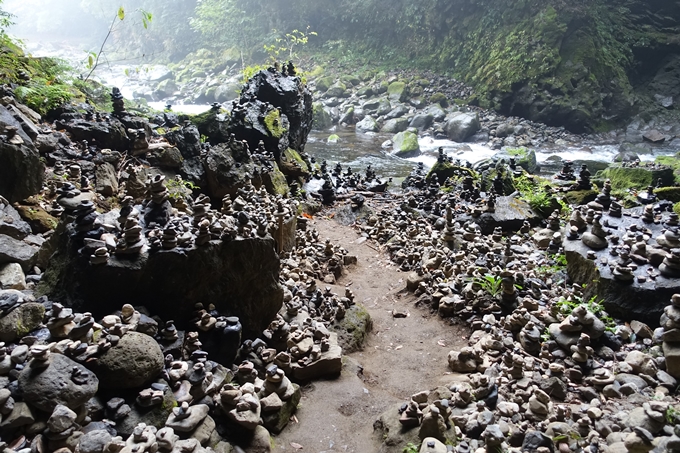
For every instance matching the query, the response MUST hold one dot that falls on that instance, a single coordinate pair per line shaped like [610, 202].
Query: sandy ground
[402, 356]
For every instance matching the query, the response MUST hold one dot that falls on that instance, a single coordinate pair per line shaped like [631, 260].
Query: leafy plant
[288, 43]
[672, 415]
[94, 57]
[594, 305]
[411, 448]
[179, 188]
[42, 96]
[533, 193]
[491, 284]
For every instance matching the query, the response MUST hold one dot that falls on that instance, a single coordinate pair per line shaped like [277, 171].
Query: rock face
[133, 362]
[240, 277]
[21, 171]
[63, 382]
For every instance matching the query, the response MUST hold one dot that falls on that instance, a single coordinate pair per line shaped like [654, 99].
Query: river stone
[20, 321]
[258, 442]
[12, 277]
[21, 415]
[132, 363]
[63, 382]
[461, 126]
[395, 125]
[422, 121]
[337, 90]
[150, 416]
[397, 91]
[62, 418]
[368, 124]
[21, 171]
[406, 145]
[329, 364]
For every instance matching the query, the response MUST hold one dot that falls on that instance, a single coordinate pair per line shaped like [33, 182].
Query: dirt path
[402, 356]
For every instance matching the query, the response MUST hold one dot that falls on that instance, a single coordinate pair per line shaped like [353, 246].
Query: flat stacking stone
[11, 223]
[197, 414]
[329, 364]
[510, 214]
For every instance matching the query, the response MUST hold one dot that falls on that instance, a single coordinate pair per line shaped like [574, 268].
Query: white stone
[12, 277]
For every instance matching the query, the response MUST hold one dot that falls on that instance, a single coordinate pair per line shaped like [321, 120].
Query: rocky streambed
[164, 288]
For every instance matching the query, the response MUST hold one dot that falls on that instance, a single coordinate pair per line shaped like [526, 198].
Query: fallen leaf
[307, 216]
[398, 347]
[441, 343]
[296, 446]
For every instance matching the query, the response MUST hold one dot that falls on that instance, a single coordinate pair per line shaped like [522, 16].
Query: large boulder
[368, 124]
[397, 91]
[642, 298]
[135, 361]
[109, 134]
[395, 125]
[228, 167]
[461, 126]
[21, 171]
[240, 277]
[639, 177]
[290, 96]
[63, 382]
[406, 144]
[11, 223]
[16, 251]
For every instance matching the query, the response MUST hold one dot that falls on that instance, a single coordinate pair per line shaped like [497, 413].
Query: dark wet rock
[536, 439]
[642, 300]
[239, 277]
[63, 382]
[152, 416]
[109, 134]
[135, 361]
[290, 97]
[228, 167]
[187, 139]
[21, 171]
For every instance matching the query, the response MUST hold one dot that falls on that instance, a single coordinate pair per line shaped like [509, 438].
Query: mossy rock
[39, 220]
[275, 422]
[321, 119]
[672, 162]
[350, 80]
[338, 90]
[275, 182]
[317, 72]
[636, 177]
[353, 329]
[21, 321]
[525, 158]
[397, 91]
[324, 83]
[580, 197]
[446, 170]
[406, 144]
[668, 193]
[439, 98]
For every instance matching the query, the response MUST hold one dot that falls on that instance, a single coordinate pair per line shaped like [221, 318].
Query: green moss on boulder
[353, 329]
[668, 193]
[397, 91]
[623, 178]
[406, 144]
[444, 170]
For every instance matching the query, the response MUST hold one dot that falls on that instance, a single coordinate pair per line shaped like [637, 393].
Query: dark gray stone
[15, 251]
[62, 382]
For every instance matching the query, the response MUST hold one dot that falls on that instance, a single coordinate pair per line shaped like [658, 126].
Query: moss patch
[668, 193]
[623, 178]
[353, 329]
[272, 121]
[446, 170]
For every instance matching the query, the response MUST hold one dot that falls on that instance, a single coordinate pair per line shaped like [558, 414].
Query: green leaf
[90, 61]
[121, 13]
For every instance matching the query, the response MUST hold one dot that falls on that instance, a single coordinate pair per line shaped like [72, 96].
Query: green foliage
[248, 72]
[42, 96]
[491, 284]
[672, 415]
[533, 193]
[287, 44]
[179, 188]
[93, 57]
[411, 448]
[594, 305]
